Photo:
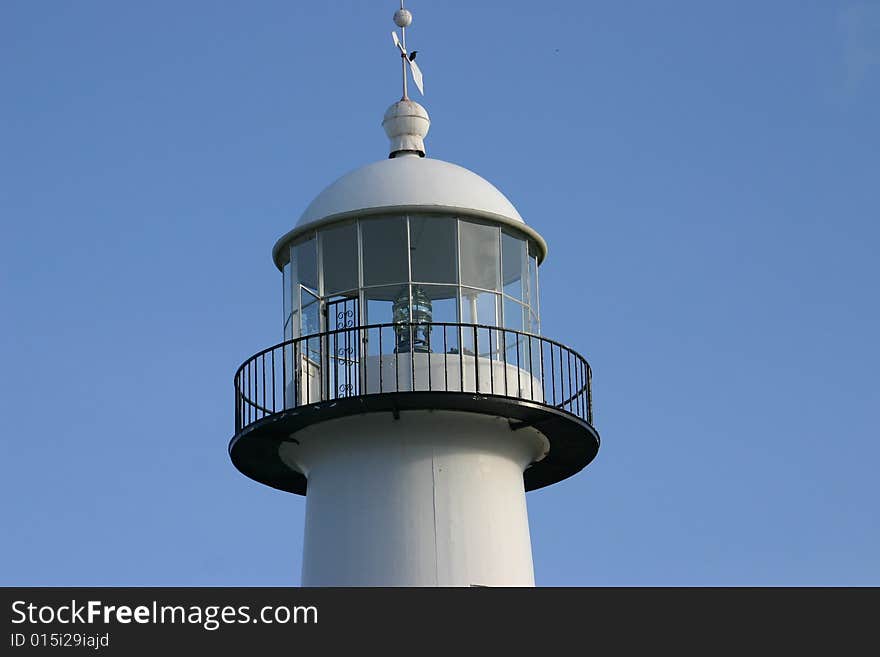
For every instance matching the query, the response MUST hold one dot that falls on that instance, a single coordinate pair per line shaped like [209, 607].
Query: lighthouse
[416, 397]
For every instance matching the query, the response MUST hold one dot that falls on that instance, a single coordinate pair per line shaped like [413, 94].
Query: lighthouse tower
[414, 399]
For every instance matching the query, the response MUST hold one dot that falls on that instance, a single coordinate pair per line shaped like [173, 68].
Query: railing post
[284, 351]
[237, 404]
[476, 363]
[504, 359]
[491, 365]
[541, 366]
[381, 359]
[589, 394]
[412, 358]
[445, 361]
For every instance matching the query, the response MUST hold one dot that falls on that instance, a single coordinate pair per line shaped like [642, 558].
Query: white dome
[409, 184]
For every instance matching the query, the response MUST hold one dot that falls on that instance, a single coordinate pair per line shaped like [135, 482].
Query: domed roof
[409, 184]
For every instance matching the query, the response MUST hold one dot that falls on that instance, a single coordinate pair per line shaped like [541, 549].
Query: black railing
[407, 357]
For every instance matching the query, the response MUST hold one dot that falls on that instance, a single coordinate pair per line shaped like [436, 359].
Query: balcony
[388, 368]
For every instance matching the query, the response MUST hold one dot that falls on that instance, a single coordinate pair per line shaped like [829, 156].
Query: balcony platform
[319, 378]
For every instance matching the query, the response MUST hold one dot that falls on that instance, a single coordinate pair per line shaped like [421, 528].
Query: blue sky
[706, 175]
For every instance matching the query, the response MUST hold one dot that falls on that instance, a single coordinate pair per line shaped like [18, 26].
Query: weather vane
[403, 19]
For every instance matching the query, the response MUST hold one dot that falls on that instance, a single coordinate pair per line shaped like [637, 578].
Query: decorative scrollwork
[345, 319]
[346, 388]
[344, 351]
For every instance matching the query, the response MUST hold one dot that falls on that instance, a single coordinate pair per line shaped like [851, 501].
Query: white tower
[414, 400]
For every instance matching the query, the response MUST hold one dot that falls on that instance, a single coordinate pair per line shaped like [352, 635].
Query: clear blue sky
[707, 176]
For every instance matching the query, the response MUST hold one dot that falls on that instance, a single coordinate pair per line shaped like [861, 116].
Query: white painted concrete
[450, 372]
[417, 372]
[435, 498]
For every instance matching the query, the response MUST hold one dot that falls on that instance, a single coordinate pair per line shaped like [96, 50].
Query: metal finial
[403, 19]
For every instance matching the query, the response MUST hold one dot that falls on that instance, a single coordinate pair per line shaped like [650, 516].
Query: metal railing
[412, 357]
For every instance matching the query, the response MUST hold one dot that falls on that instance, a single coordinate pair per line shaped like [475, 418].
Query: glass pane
[292, 329]
[516, 318]
[286, 299]
[533, 278]
[305, 264]
[385, 305]
[437, 304]
[311, 312]
[479, 255]
[340, 258]
[513, 314]
[381, 303]
[478, 307]
[432, 249]
[385, 251]
[513, 264]
[443, 301]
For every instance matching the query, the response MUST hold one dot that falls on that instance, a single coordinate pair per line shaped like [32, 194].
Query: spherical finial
[402, 18]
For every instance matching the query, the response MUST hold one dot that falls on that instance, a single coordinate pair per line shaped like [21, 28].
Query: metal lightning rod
[403, 18]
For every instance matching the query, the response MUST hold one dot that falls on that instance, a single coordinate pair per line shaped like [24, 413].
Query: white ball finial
[406, 123]
[402, 18]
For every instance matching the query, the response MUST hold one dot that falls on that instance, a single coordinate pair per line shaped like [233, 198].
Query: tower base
[432, 498]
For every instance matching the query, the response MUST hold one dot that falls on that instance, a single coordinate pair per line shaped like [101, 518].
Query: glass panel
[516, 316]
[380, 306]
[513, 314]
[534, 325]
[513, 264]
[434, 303]
[311, 312]
[310, 371]
[286, 298]
[381, 302]
[533, 278]
[443, 300]
[305, 264]
[433, 249]
[385, 250]
[479, 255]
[292, 329]
[478, 307]
[340, 258]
